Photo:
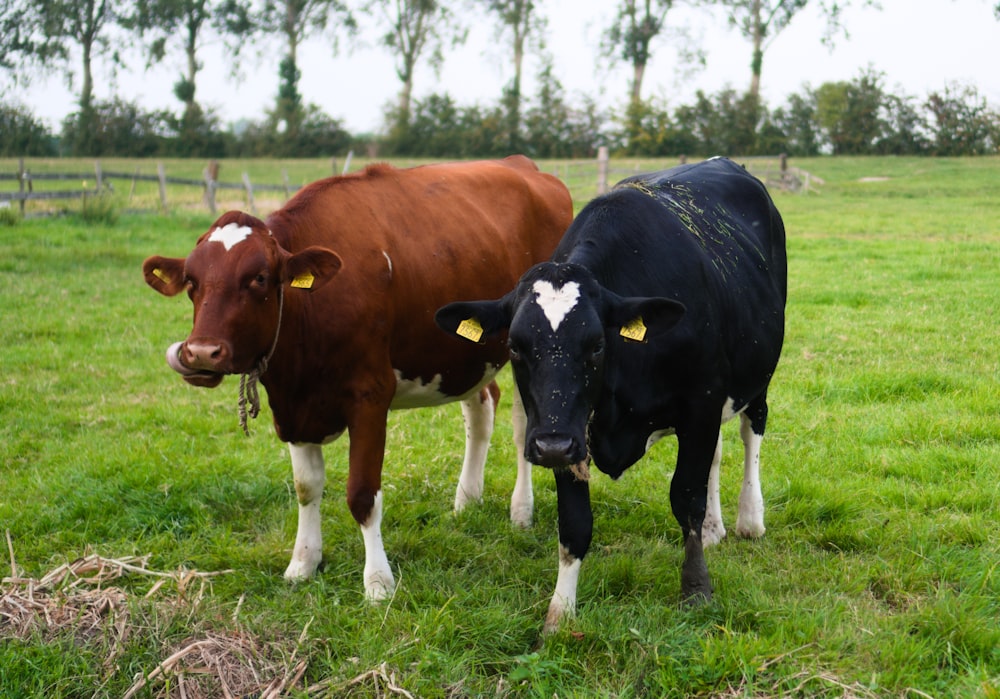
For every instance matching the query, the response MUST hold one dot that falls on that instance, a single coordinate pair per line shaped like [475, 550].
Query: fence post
[99, 175]
[284, 179]
[211, 175]
[21, 175]
[131, 190]
[602, 170]
[249, 188]
[161, 171]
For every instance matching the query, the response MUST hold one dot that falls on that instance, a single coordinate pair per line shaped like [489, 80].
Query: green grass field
[878, 576]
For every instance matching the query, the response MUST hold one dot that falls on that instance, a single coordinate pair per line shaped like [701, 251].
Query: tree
[850, 114]
[629, 38]
[21, 134]
[521, 20]
[962, 123]
[84, 23]
[295, 21]
[414, 27]
[761, 21]
[161, 22]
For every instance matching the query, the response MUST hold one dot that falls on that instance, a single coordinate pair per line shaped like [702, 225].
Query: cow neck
[249, 402]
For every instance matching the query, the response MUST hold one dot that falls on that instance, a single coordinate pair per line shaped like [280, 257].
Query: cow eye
[515, 353]
[260, 279]
[598, 350]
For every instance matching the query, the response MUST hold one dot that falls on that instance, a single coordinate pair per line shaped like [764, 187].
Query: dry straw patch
[81, 599]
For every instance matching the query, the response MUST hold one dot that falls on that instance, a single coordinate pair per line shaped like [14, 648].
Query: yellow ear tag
[470, 329]
[635, 330]
[303, 281]
[161, 275]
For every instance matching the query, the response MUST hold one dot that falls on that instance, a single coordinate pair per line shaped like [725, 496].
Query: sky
[918, 50]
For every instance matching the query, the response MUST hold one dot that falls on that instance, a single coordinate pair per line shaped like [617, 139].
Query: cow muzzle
[197, 362]
[554, 450]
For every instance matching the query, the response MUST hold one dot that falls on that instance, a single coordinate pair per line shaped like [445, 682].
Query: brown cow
[331, 302]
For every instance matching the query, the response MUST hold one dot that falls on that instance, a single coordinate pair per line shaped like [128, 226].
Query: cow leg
[688, 496]
[712, 529]
[479, 412]
[522, 500]
[576, 525]
[750, 519]
[309, 474]
[364, 498]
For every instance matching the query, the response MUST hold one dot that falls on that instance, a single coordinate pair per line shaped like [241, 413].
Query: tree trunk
[638, 72]
[758, 51]
[192, 66]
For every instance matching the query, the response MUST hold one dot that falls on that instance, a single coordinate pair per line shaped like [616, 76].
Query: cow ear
[312, 268]
[474, 320]
[641, 318]
[165, 274]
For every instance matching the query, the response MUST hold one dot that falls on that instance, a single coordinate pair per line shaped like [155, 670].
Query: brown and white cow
[331, 302]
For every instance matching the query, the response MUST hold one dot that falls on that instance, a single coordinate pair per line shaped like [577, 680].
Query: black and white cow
[661, 312]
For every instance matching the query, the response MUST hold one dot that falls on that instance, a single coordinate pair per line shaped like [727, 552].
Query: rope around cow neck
[249, 395]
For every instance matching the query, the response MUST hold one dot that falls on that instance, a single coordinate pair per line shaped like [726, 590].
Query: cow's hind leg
[309, 473]
[712, 529]
[750, 519]
[576, 526]
[522, 500]
[479, 411]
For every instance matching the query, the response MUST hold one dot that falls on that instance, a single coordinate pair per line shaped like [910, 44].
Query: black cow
[660, 312]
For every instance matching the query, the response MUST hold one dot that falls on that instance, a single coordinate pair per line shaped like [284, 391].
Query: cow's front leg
[688, 499]
[522, 500]
[364, 498]
[309, 474]
[576, 526]
[712, 529]
[750, 518]
[479, 412]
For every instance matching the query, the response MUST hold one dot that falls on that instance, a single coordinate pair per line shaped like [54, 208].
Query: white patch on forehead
[230, 234]
[556, 303]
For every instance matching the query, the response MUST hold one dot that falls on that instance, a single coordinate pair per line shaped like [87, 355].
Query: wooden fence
[103, 184]
[584, 178]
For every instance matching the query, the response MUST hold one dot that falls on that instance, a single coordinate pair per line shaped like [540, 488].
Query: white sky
[919, 45]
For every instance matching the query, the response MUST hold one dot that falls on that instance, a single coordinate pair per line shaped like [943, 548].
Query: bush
[100, 209]
[23, 135]
[9, 216]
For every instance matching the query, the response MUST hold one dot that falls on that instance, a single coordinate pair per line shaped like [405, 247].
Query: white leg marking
[522, 500]
[712, 530]
[379, 582]
[479, 417]
[750, 520]
[563, 604]
[309, 474]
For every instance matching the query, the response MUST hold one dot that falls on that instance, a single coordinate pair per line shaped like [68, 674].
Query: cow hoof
[521, 516]
[751, 530]
[378, 588]
[697, 596]
[557, 612]
[301, 570]
[712, 533]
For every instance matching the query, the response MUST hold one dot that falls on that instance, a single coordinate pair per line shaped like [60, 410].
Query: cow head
[236, 277]
[561, 324]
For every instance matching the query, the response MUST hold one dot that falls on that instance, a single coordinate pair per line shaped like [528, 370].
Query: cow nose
[203, 355]
[553, 450]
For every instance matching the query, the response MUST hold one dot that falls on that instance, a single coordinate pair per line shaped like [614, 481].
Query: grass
[878, 576]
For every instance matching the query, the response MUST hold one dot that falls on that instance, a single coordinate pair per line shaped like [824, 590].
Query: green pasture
[879, 575]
